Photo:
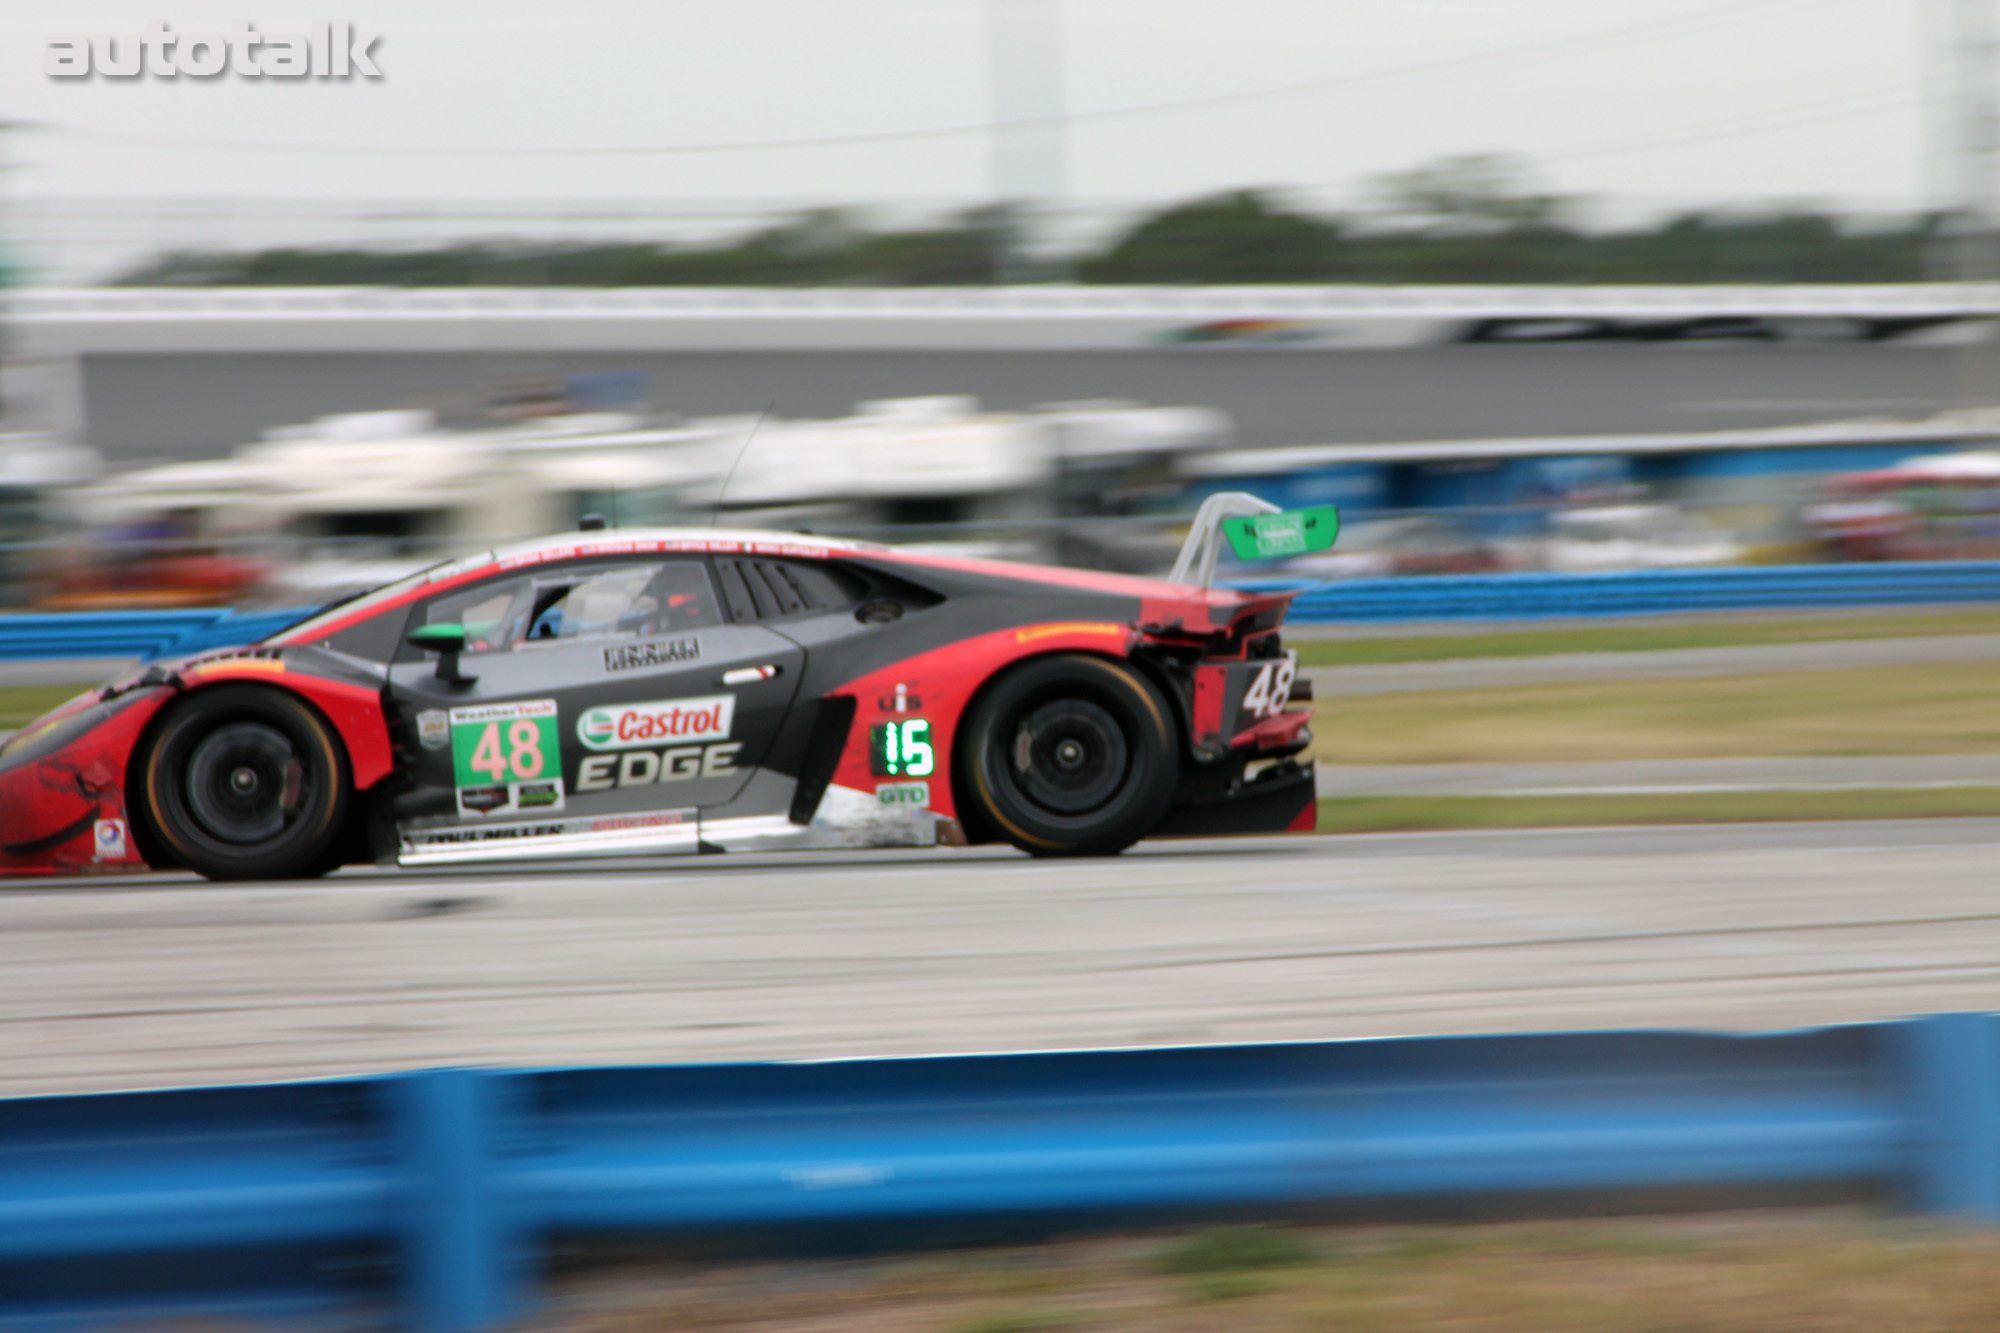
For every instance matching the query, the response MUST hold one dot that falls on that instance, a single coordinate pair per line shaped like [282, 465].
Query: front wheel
[1070, 756]
[244, 782]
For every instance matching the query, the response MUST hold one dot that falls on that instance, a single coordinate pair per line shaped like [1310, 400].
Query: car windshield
[616, 601]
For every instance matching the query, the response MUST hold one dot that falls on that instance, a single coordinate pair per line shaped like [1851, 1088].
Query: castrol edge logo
[624, 726]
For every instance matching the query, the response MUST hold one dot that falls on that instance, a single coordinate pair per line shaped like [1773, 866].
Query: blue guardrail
[1638, 592]
[58, 635]
[151, 634]
[429, 1196]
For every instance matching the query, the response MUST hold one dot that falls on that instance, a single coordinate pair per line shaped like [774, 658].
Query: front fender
[354, 710]
[63, 805]
[62, 788]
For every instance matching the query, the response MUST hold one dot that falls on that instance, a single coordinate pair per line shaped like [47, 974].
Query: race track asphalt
[164, 981]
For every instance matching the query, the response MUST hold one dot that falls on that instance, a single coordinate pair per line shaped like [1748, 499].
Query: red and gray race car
[636, 692]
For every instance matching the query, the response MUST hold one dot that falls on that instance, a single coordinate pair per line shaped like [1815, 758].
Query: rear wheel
[243, 782]
[1069, 756]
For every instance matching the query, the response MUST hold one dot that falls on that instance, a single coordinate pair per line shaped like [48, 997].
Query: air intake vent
[829, 737]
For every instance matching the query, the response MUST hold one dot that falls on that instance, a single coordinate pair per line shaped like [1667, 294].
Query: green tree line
[1461, 220]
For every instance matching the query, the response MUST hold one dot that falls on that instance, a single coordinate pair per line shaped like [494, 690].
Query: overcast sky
[1679, 101]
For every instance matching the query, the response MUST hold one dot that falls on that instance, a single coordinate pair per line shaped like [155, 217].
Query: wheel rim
[1069, 757]
[245, 782]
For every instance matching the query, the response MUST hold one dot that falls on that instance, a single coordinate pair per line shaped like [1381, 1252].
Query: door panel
[575, 708]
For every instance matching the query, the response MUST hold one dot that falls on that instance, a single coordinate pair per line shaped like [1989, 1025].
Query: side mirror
[447, 641]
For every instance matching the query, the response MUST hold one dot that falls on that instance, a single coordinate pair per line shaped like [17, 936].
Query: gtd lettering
[643, 768]
[329, 50]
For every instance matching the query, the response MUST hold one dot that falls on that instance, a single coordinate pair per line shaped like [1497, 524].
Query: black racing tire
[1069, 755]
[246, 782]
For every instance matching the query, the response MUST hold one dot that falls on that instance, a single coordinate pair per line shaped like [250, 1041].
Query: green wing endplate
[1293, 532]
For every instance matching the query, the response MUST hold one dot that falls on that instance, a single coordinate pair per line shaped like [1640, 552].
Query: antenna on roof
[715, 516]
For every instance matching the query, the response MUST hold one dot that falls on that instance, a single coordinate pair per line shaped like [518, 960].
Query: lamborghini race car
[639, 692]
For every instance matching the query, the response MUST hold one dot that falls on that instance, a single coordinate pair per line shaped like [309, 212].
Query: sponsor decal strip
[643, 768]
[629, 726]
[511, 798]
[109, 837]
[904, 794]
[1033, 632]
[434, 728]
[263, 665]
[506, 758]
[487, 834]
[629, 656]
[718, 547]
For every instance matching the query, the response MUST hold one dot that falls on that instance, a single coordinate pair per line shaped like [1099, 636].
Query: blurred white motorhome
[32, 467]
[1634, 536]
[363, 498]
[352, 500]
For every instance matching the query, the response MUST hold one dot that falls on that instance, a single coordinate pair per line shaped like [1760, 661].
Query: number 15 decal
[1272, 690]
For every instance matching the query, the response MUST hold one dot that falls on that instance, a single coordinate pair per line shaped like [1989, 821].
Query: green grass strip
[22, 704]
[1921, 708]
[1643, 638]
[1393, 814]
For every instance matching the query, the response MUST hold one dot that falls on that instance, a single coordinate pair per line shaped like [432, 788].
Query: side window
[563, 606]
[771, 589]
[625, 601]
[490, 612]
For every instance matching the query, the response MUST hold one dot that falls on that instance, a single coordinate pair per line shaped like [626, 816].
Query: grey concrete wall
[174, 406]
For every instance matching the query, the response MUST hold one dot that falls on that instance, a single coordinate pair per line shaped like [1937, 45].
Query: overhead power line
[1809, 113]
[1370, 79]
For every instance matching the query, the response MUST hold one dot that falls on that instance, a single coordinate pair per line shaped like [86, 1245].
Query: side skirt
[657, 833]
[845, 818]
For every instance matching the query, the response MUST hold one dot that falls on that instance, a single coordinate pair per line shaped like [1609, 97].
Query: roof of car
[722, 541]
[619, 541]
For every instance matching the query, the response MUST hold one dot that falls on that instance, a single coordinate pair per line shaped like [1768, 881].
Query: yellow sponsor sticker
[263, 664]
[1033, 632]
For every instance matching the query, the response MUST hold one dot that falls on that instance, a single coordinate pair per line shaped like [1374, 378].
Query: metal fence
[443, 1189]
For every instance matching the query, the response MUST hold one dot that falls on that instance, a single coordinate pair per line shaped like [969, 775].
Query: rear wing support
[1204, 540]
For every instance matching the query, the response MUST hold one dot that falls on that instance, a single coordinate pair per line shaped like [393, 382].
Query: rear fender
[939, 686]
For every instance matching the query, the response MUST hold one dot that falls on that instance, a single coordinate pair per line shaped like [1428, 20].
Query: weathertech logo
[632, 725]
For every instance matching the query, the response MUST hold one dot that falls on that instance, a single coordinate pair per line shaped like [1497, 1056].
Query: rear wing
[1255, 530]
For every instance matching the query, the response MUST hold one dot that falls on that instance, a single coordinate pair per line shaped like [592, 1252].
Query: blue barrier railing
[143, 634]
[1639, 592]
[150, 634]
[454, 1180]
